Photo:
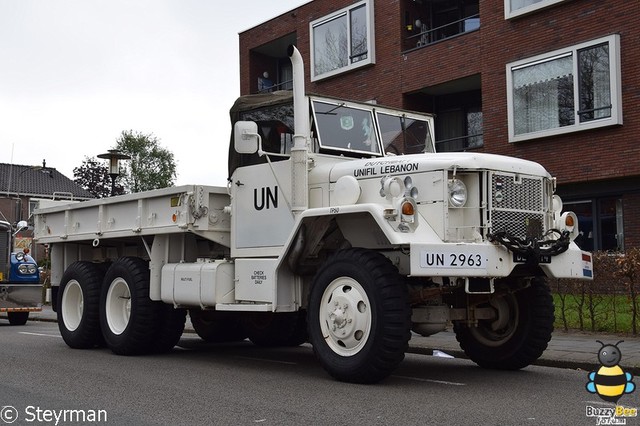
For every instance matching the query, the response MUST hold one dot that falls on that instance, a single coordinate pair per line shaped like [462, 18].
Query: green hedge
[608, 303]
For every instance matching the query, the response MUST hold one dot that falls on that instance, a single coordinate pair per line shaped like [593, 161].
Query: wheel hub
[339, 318]
[496, 333]
[72, 305]
[345, 316]
[118, 306]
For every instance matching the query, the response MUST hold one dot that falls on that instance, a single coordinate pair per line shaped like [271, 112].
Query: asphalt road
[236, 384]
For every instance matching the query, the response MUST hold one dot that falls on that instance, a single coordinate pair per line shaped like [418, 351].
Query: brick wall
[582, 156]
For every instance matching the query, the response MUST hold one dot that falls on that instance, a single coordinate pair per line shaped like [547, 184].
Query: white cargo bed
[197, 209]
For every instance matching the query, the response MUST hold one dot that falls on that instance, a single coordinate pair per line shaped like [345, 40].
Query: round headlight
[457, 193]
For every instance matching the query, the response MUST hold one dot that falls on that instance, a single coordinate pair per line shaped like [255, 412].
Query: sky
[74, 74]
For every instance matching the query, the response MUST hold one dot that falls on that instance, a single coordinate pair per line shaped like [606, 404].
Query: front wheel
[359, 316]
[518, 336]
[18, 318]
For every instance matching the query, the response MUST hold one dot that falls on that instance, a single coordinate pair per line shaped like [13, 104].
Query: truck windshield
[403, 134]
[370, 130]
[345, 128]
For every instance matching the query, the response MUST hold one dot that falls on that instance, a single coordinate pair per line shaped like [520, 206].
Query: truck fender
[380, 234]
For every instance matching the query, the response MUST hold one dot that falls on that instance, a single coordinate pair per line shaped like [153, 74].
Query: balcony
[431, 21]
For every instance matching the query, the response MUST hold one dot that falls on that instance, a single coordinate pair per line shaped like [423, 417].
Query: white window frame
[370, 39]
[615, 84]
[508, 13]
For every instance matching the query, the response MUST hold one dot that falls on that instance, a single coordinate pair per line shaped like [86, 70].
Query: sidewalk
[566, 349]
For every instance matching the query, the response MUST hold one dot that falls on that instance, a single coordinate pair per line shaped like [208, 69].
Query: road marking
[441, 382]
[267, 360]
[38, 334]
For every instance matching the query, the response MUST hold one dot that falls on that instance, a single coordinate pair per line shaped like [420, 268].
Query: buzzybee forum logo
[610, 382]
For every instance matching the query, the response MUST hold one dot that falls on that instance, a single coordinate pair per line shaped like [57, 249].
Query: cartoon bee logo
[610, 382]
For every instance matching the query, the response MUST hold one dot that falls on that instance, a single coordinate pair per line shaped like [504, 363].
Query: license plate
[520, 258]
[453, 259]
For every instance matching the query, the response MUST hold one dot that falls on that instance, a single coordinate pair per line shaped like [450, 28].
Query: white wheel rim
[118, 306]
[72, 305]
[345, 316]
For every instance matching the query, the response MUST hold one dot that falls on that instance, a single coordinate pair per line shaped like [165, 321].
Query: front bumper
[20, 297]
[490, 260]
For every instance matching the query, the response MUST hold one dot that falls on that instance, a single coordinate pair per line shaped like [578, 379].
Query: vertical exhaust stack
[299, 151]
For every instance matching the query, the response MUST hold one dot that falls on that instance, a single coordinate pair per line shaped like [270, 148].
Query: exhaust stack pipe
[300, 149]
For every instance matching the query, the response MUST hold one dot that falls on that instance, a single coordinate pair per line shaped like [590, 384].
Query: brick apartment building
[553, 81]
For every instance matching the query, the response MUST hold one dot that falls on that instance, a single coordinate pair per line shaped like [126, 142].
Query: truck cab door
[261, 214]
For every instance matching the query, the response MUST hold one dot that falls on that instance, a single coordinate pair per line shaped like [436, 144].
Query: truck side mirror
[246, 137]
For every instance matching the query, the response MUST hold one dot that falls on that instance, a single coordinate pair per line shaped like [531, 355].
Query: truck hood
[405, 164]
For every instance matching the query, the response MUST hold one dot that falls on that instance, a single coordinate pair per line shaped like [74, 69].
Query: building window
[427, 22]
[342, 41]
[600, 223]
[513, 8]
[564, 91]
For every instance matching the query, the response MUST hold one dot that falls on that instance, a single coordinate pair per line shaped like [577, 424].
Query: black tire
[18, 318]
[270, 329]
[217, 327]
[359, 316]
[128, 317]
[79, 305]
[170, 327]
[522, 336]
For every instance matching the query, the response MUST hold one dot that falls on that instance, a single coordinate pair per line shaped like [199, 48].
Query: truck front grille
[517, 205]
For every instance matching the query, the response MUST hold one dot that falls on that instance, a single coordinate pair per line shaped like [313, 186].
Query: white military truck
[340, 225]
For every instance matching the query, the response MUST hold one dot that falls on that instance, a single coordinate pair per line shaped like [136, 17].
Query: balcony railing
[285, 85]
[428, 36]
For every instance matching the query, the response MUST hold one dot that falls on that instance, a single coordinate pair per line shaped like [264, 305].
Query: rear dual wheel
[79, 305]
[131, 322]
[95, 307]
[217, 327]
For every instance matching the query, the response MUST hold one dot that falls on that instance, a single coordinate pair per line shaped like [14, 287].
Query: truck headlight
[27, 268]
[457, 193]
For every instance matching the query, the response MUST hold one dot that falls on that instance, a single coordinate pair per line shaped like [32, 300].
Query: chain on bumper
[531, 247]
